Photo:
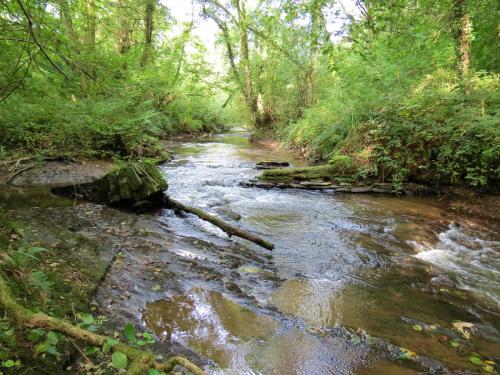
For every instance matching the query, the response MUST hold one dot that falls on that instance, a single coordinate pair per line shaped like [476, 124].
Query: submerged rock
[129, 185]
[443, 280]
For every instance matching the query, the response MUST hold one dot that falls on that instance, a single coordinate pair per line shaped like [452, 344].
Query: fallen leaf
[406, 354]
[489, 369]
[463, 328]
[475, 359]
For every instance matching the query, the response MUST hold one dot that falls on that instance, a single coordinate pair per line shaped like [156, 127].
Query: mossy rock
[324, 172]
[133, 182]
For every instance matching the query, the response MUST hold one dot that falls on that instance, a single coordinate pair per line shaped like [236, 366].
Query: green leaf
[35, 335]
[489, 369]
[108, 344]
[91, 328]
[454, 343]
[53, 350]
[119, 360]
[8, 363]
[42, 347]
[91, 350]
[406, 354]
[129, 332]
[52, 338]
[417, 327]
[156, 288]
[475, 360]
[87, 319]
[148, 337]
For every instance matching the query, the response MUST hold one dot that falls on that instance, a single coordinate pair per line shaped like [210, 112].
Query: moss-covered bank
[50, 269]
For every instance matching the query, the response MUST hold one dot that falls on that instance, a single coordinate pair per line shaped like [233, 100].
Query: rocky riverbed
[357, 284]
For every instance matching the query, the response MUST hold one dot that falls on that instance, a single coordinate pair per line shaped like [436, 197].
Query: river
[347, 290]
[345, 267]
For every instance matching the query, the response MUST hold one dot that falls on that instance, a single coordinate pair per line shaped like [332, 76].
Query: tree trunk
[90, 33]
[250, 97]
[75, 45]
[124, 35]
[461, 29]
[228, 228]
[148, 37]
[318, 32]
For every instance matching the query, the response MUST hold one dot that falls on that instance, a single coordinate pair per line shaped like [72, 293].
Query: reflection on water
[209, 323]
[379, 310]
[12, 197]
[243, 342]
[345, 259]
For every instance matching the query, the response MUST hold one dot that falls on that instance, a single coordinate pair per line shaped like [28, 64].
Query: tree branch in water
[229, 229]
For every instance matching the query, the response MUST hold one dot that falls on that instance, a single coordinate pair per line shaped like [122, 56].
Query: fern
[39, 280]
[23, 256]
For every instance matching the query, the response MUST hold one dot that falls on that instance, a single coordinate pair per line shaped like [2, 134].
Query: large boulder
[127, 185]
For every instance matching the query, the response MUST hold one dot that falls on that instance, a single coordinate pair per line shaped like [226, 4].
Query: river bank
[346, 291]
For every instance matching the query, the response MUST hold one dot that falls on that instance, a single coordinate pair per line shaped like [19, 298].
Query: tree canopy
[402, 89]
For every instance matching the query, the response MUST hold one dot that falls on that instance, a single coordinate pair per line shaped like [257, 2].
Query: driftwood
[141, 185]
[229, 229]
[21, 171]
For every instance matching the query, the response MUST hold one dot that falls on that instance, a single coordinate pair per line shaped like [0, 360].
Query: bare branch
[32, 33]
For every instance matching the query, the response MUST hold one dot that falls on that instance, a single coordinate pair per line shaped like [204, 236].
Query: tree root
[229, 229]
[141, 360]
[11, 178]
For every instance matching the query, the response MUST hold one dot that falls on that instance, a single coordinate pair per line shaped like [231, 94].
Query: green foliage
[49, 345]
[40, 280]
[7, 335]
[11, 363]
[129, 332]
[386, 93]
[94, 100]
[153, 371]
[26, 255]
[88, 322]
[401, 114]
[108, 344]
[137, 338]
[119, 360]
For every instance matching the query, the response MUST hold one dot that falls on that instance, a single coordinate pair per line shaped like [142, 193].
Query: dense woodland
[407, 90]
[404, 92]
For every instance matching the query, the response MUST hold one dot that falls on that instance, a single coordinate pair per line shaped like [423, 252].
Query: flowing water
[347, 290]
[345, 267]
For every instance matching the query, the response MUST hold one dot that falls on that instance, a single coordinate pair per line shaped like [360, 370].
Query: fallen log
[141, 185]
[229, 229]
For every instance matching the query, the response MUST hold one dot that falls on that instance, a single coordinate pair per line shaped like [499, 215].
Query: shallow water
[347, 285]
[357, 261]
